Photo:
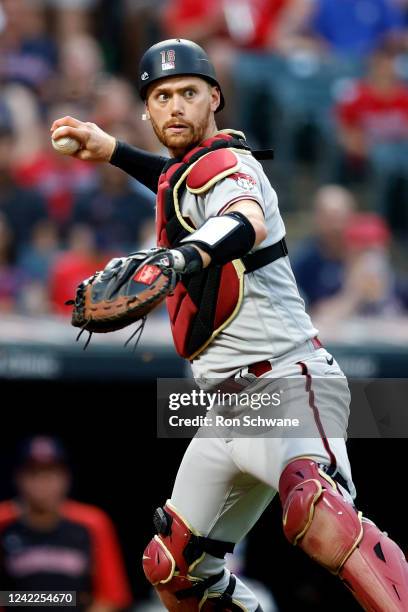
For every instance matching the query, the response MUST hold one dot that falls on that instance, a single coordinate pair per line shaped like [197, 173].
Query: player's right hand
[96, 145]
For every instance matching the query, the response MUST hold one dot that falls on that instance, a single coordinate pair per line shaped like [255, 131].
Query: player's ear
[215, 98]
[146, 114]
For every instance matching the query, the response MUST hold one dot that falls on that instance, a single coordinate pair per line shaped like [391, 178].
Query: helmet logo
[168, 59]
[145, 76]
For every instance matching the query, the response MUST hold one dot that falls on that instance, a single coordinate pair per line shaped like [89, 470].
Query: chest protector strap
[203, 304]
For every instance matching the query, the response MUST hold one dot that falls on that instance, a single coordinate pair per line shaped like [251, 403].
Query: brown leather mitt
[127, 290]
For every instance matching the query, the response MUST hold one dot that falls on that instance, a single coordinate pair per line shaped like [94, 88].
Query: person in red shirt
[233, 31]
[373, 126]
[79, 261]
[205, 20]
[49, 542]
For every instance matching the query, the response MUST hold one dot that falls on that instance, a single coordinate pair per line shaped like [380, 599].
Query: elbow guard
[224, 238]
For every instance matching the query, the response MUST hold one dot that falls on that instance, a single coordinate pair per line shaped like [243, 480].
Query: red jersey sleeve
[110, 582]
[9, 512]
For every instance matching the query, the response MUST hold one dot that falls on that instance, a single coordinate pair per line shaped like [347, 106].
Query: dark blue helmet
[173, 57]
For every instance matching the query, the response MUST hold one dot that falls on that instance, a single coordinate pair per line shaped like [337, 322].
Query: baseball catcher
[236, 315]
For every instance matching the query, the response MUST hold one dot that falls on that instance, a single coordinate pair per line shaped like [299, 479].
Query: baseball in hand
[65, 145]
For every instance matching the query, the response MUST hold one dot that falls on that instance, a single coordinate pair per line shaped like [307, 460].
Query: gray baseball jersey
[272, 319]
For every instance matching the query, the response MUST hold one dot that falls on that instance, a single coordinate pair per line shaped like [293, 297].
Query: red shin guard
[171, 556]
[318, 519]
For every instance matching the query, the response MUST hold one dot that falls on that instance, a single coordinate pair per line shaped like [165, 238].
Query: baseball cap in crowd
[367, 230]
[41, 451]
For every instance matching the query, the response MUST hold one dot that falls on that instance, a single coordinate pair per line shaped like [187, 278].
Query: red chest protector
[202, 304]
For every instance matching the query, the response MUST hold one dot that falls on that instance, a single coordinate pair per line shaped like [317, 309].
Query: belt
[261, 367]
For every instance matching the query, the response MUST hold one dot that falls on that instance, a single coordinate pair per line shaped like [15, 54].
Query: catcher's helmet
[173, 57]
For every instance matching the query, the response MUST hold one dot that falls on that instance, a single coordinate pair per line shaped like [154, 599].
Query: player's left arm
[221, 238]
[253, 213]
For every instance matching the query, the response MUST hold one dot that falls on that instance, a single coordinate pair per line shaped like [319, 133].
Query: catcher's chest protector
[202, 304]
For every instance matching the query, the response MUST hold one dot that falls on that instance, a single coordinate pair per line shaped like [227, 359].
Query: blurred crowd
[324, 82]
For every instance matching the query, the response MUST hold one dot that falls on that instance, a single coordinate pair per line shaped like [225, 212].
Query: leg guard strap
[169, 524]
[199, 588]
[225, 602]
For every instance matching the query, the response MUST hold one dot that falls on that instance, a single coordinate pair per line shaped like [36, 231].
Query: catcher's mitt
[127, 290]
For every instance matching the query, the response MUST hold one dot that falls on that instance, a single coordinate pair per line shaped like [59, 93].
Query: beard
[191, 136]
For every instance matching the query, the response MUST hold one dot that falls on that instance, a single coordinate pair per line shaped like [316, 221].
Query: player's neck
[210, 131]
